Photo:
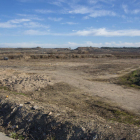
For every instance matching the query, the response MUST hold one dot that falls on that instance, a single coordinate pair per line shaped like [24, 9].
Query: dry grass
[62, 94]
[132, 79]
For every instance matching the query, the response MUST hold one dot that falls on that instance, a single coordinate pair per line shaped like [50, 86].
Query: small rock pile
[25, 83]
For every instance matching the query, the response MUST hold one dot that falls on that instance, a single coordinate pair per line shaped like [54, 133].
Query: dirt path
[64, 102]
[61, 71]
[126, 98]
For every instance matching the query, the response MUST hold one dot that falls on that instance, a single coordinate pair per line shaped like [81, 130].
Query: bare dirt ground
[75, 93]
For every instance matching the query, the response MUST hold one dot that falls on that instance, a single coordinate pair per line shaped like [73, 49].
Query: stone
[50, 113]
[20, 131]
[94, 138]
[27, 103]
[21, 105]
[83, 129]
[14, 126]
[34, 107]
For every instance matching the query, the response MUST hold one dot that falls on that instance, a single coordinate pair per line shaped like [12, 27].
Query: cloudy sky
[69, 23]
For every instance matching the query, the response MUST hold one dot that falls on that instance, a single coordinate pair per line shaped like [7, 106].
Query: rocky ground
[55, 99]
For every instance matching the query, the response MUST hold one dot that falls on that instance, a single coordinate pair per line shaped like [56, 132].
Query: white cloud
[86, 17]
[130, 19]
[92, 1]
[136, 11]
[18, 20]
[104, 1]
[31, 45]
[91, 32]
[80, 10]
[33, 17]
[58, 2]
[107, 33]
[35, 32]
[99, 13]
[73, 45]
[114, 44]
[7, 25]
[13, 23]
[42, 11]
[35, 25]
[70, 23]
[42, 33]
[125, 8]
[27, 23]
[55, 19]
[91, 11]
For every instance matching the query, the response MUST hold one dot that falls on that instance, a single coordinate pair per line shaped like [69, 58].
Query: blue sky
[69, 23]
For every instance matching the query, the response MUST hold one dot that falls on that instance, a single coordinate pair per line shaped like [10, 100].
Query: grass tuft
[20, 93]
[7, 89]
[16, 136]
[3, 87]
[132, 79]
[125, 117]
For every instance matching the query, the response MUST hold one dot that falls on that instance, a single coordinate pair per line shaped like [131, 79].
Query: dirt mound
[25, 82]
[22, 118]
[26, 122]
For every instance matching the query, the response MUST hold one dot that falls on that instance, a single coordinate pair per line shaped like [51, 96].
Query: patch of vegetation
[3, 87]
[16, 136]
[125, 117]
[63, 94]
[132, 79]
[51, 138]
[111, 112]
[6, 88]
[20, 93]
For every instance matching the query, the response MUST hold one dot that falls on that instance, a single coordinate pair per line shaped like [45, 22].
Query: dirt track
[126, 98]
[71, 73]
[85, 74]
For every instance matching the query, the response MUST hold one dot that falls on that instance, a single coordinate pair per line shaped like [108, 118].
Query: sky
[69, 23]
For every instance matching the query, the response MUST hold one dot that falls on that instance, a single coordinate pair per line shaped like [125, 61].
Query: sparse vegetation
[132, 79]
[6, 88]
[20, 93]
[111, 112]
[125, 117]
[70, 94]
[16, 136]
[3, 87]
[66, 95]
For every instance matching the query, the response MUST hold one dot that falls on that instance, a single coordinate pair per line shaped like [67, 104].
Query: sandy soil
[32, 76]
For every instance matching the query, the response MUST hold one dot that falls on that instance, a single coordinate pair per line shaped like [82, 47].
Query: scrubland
[63, 94]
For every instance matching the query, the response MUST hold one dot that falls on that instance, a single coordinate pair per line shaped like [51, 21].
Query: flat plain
[69, 95]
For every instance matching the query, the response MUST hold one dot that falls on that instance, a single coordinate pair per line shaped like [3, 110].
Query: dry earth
[65, 91]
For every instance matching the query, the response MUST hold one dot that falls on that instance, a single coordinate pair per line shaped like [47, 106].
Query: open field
[71, 95]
